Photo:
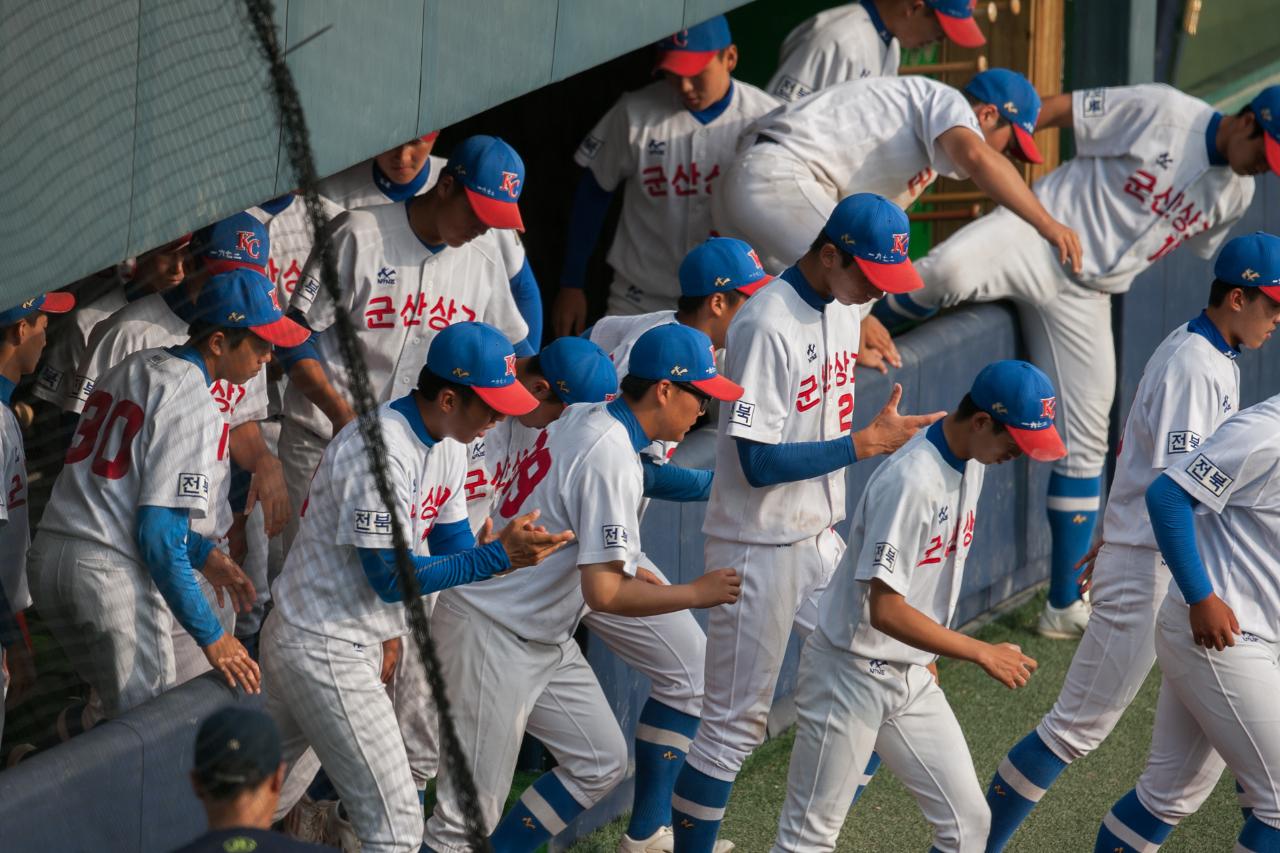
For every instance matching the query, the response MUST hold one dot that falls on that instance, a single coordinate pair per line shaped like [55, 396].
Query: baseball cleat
[306, 820]
[663, 841]
[338, 831]
[1066, 623]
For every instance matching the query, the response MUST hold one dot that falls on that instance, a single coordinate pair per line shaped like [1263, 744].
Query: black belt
[761, 139]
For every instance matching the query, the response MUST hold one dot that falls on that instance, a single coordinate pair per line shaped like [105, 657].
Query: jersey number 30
[97, 425]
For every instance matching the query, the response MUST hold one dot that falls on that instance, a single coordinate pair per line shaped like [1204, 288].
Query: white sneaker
[664, 841]
[306, 820]
[338, 831]
[1067, 623]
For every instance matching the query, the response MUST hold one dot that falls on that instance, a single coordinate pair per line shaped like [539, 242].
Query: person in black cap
[237, 777]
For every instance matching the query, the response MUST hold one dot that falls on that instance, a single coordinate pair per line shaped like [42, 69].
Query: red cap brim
[751, 288]
[513, 399]
[1026, 146]
[963, 31]
[429, 137]
[719, 387]
[494, 213]
[685, 63]
[891, 278]
[1271, 290]
[217, 266]
[1042, 445]
[1273, 153]
[283, 332]
[58, 302]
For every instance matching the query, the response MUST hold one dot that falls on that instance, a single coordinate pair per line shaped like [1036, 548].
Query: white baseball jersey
[670, 162]
[487, 466]
[796, 367]
[912, 530]
[56, 378]
[877, 135]
[609, 332]
[398, 293]
[15, 533]
[149, 436]
[1235, 475]
[583, 473]
[1141, 183]
[323, 588]
[1188, 388]
[834, 46]
[621, 354]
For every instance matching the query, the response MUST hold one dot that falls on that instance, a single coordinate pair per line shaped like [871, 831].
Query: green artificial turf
[886, 819]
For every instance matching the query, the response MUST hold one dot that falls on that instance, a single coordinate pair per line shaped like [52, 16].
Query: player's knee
[967, 827]
[606, 768]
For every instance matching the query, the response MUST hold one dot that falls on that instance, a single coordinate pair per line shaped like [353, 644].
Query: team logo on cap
[755, 259]
[1048, 405]
[30, 302]
[460, 373]
[681, 39]
[1250, 275]
[1000, 408]
[1265, 112]
[847, 240]
[563, 386]
[900, 243]
[235, 317]
[246, 242]
[511, 365]
[722, 280]
[510, 184]
[677, 370]
[1010, 107]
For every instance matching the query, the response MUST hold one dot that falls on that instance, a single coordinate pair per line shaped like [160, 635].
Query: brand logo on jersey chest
[1165, 160]
[656, 148]
[387, 275]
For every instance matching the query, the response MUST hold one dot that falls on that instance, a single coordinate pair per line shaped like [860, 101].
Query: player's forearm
[892, 615]
[247, 447]
[607, 589]
[1055, 111]
[162, 543]
[770, 464]
[1000, 179]
[672, 483]
[586, 220]
[1172, 513]
[309, 377]
[528, 299]
[433, 573]
[198, 549]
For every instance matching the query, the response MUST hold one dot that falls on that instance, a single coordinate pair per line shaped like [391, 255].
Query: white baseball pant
[300, 452]
[1066, 326]
[847, 707]
[266, 556]
[1114, 656]
[746, 641]
[415, 709]
[627, 298]
[500, 686]
[327, 694]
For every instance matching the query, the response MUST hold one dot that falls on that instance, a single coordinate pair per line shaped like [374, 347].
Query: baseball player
[1191, 384]
[1154, 169]
[338, 601]
[779, 485]
[409, 170]
[406, 271]
[586, 477]
[888, 135]
[112, 563]
[863, 684]
[669, 143]
[857, 40]
[22, 339]
[1216, 516]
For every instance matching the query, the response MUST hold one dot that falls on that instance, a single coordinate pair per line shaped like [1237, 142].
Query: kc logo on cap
[1048, 406]
[247, 242]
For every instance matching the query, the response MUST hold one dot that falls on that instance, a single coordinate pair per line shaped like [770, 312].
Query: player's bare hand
[390, 657]
[643, 574]
[229, 580]
[1066, 241]
[1213, 623]
[341, 416]
[1006, 663]
[716, 587]
[889, 430]
[228, 656]
[237, 538]
[569, 312]
[22, 673]
[485, 534]
[933, 670]
[527, 544]
[268, 487]
[1085, 581]
[877, 349]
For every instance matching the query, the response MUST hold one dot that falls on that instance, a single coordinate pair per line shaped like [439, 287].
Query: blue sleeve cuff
[451, 538]
[771, 464]
[433, 573]
[198, 549]
[586, 219]
[673, 483]
[524, 289]
[238, 494]
[162, 542]
[1172, 513]
[289, 356]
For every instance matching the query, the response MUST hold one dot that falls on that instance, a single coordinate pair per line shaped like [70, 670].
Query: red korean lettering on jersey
[427, 509]
[17, 493]
[287, 278]
[446, 314]
[377, 312]
[836, 373]
[688, 179]
[1185, 220]
[942, 546]
[227, 395]
[474, 486]
[917, 182]
[525, 473]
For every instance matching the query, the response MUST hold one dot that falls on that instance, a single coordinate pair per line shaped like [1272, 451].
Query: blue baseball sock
[697, 808]
[662, 739]
[1021, 780]
[873, 764]
[1258, 837]
[543, 811]
[1129, 827]
[1073, 511]
[898, 309]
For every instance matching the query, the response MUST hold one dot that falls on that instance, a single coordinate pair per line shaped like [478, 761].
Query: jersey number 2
[96, 427]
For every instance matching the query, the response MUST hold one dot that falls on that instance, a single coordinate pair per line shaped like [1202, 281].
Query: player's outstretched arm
[250, 452]
[608, 589]
[1055, 111]
[1000, 179]
[892, 615]
[889, 430]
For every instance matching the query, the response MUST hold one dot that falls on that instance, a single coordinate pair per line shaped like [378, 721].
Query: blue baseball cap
[244, 299]
[493, 175]
[1019, 395]
[478, 356]
[687, 52]
[720, 264]
[1266, 109]
[681, 353]
[1017, 101]
[1251, 260]
[54, 302]
[237, 747]
[956, 18]
[579, 371]
[876, 232]
[238, 242]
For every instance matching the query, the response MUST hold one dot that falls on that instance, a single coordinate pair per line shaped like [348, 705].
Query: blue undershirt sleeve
[586, 219]
[434, 573]
[770, 464]
[524, 289]
[198, 549]
[162, 542]
[673, 483]
[289, 356]
[451, 538]
[1172, 513]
